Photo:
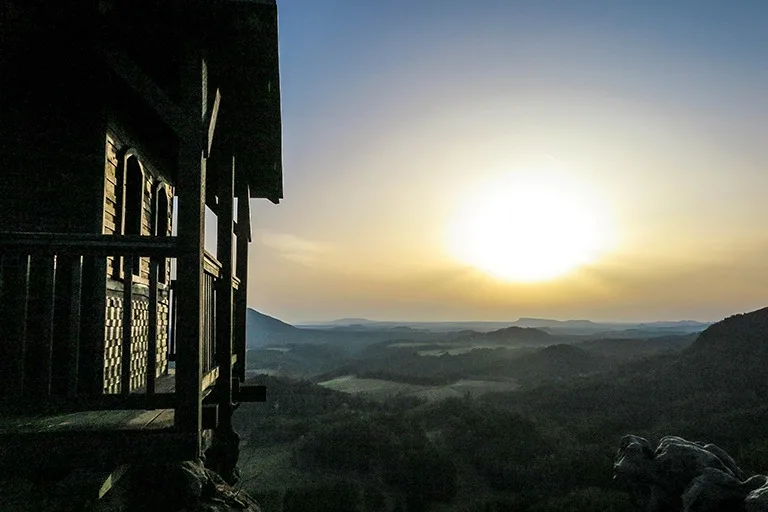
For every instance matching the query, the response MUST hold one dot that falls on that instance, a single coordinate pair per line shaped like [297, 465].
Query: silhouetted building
[120, 341]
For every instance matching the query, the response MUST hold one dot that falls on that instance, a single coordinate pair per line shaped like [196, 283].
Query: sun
[530, 228]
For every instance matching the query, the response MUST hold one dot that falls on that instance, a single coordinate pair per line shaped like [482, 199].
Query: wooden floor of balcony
[91, 438]
[43, 437]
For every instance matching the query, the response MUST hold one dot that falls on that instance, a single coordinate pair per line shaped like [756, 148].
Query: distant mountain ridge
[263, 330]
[575, 327]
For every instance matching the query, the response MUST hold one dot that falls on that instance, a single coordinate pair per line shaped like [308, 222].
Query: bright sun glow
[530, 229]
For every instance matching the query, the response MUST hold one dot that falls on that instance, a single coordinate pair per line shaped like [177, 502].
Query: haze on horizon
[636, 132]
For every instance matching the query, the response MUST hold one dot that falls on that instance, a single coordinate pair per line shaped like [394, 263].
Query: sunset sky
[410, 127]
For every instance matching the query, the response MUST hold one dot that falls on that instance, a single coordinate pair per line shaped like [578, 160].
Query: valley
[516, 418]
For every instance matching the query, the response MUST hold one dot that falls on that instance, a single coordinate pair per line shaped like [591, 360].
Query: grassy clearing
[453, 350]
[373, 388]
[380, 389]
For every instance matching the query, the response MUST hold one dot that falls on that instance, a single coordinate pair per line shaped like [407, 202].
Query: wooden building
[122, 339]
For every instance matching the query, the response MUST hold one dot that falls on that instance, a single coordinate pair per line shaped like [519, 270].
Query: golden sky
[646, 121]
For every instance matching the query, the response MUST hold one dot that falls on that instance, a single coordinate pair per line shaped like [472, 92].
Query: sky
[401, 120]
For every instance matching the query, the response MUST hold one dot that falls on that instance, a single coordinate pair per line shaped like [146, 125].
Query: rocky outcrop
[680, 475]
[185, 487]
[178, 487]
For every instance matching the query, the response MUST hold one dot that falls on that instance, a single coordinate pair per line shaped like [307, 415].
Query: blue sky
[393, 111]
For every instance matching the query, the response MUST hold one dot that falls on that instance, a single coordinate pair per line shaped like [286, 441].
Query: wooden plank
[164, 420]
[133, 401]
[31, 424]
[154, 266]
[211, 264]
[142, 419]
[14, 296]
[83, 420]
[110, 174]
[110, 208]
[109, 225]
[209, 379]
[127, 334]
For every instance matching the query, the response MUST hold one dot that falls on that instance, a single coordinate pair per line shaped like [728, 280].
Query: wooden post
[13, 329]
[73, 336]
[191, 234]
[93, 320]
[241, 296]
[224, 293]
[42, 279]
[66, 336]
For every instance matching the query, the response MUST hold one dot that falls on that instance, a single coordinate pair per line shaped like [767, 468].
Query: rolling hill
[263, 330]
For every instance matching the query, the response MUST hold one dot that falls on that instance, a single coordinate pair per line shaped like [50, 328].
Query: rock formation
[680, 475]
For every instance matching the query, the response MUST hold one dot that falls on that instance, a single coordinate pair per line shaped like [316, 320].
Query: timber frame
[190, 89]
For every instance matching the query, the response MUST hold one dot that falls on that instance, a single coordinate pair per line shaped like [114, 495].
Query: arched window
[133, 203]
[134, 191]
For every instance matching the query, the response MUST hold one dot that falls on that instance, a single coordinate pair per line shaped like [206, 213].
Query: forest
[546, 444]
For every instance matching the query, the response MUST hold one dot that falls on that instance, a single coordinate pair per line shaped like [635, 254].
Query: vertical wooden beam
[191, 233]
[154, 266]
[125, 353]
[42, 279]
[66, 335]
[13, 327]
[73, 336]
[92, 325]
[241, 295]
[224, 293]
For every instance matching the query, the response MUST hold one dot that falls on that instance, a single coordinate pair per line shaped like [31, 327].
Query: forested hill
[509, 335]
[715, 389]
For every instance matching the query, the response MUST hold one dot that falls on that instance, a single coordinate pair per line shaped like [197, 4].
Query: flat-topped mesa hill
[508, 335]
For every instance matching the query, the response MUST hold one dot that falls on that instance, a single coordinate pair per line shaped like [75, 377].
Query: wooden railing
[212, 273]
[53, 307]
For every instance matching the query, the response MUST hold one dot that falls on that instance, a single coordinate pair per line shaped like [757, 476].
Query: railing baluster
[172, 302]
[65, 306]
[13, 306]
[125, 357]
[154, 267]
[93, 307]
[76, 290]
[207, 338]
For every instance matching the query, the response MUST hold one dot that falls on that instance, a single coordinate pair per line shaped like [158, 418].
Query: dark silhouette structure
[120, 341]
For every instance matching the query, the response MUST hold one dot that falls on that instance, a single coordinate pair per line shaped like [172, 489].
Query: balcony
[56, 360]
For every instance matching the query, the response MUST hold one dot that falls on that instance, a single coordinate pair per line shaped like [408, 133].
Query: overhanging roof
[244, 65]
